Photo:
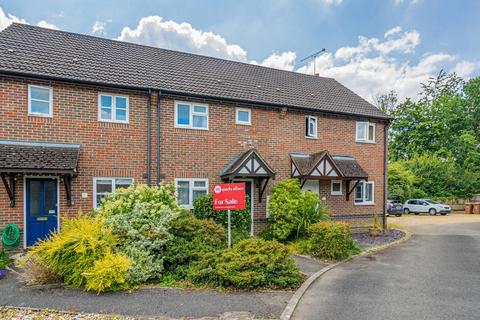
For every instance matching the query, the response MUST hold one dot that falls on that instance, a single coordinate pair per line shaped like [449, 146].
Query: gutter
[385, 173]
[149, 137]
[159, 94]
[199, 96]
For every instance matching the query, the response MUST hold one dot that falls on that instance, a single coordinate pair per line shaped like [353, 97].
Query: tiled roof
[38, 157]
[33, 51]
[348, 166]
[230, 170]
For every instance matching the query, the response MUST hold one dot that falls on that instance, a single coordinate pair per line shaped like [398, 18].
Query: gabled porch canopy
[37, 158]
[249, 164]
[323, 166]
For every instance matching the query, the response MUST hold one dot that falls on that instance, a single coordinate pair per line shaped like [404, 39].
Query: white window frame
[50, 102]
[192, 113]
[191, 188]
[112, 180]
[308, 133]
[336, 193]
[238, 121]
[114, 107]
[367, 126]
[363, 201]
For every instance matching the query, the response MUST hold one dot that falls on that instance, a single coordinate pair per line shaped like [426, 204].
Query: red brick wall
[187, 153]
[120, 150]
[107, 149]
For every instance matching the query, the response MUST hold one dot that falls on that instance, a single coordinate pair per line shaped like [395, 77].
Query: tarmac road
[435, 275]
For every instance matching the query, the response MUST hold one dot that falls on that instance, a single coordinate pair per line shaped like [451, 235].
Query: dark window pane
[50, 190]
[371, 133]
[34, 197]
[104, 186]
[183, 192]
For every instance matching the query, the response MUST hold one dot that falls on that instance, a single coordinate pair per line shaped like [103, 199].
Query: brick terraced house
[81, 116]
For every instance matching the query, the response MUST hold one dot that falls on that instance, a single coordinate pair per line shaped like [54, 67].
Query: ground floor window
[364, 192]
[104, 186]
[190, 189]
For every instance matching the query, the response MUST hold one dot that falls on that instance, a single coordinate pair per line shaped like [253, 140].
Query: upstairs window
[365, 132]
[243, 116]
[364, 192]
[311, 127]
[112, 108]
[40, 101]
[190, 189]
[191, 115]
[105, 186]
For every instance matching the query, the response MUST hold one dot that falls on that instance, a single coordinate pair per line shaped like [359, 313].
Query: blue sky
[403, 42]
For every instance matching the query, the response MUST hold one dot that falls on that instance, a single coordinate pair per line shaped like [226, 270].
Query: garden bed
[365, 241]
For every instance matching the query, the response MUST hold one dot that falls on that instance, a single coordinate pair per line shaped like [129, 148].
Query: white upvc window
[187, 190]
[113, 108]
[364, 193]
[40, 101]
[191, 115]
[336, 187]
[365, 132]
[243, 116]
[311, 127]
[102, 187]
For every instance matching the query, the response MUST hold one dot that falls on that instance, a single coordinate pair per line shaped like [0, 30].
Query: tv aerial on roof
[314, 58]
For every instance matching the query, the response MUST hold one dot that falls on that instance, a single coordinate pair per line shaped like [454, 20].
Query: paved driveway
[435, 275]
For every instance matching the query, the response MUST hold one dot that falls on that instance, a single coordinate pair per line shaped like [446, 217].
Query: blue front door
[41, 209]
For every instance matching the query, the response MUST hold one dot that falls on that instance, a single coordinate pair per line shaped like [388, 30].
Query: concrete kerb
[295, 299]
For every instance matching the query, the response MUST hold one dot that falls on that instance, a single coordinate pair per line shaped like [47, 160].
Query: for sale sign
[229, 196]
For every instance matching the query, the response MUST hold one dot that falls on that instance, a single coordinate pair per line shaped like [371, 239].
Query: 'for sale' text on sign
[229, 196]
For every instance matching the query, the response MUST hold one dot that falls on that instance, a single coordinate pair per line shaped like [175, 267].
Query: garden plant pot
[3, 273]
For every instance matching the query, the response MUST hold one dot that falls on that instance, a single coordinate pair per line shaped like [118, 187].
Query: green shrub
[252, 263]
[74, 250]
[140, 216]
[108, 273]
[331, 240]
[292, 211]
[191, 238]
[5, 261]
[203, 209]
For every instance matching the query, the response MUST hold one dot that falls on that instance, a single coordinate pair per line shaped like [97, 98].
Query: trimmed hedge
[251, 263]
[331, 240]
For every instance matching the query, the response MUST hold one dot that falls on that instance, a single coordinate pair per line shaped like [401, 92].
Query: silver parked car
[418, 206]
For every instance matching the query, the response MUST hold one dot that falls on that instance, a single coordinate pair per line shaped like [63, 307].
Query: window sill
[190, 128]
[113, 121]
[364, 203]
[365, 142]
[243, 123]
[312, 138]
[40, 115]
[336, 194]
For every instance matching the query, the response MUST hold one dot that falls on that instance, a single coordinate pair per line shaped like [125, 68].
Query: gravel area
[147, 302]
[365, 241]
[45, 314]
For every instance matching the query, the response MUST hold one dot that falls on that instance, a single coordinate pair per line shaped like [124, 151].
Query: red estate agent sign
[229, 196]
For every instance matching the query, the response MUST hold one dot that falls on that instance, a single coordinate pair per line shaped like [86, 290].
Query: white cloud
[331, 2]
[45, 24]
[376, 66]
[157, 32]
[410, 2]
[98, 27]
[284, 61]
[8, 19]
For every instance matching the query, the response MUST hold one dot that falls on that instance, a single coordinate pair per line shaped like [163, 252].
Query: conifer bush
[251, 263]
[331, 240]
[74, 250]
[108, 273]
